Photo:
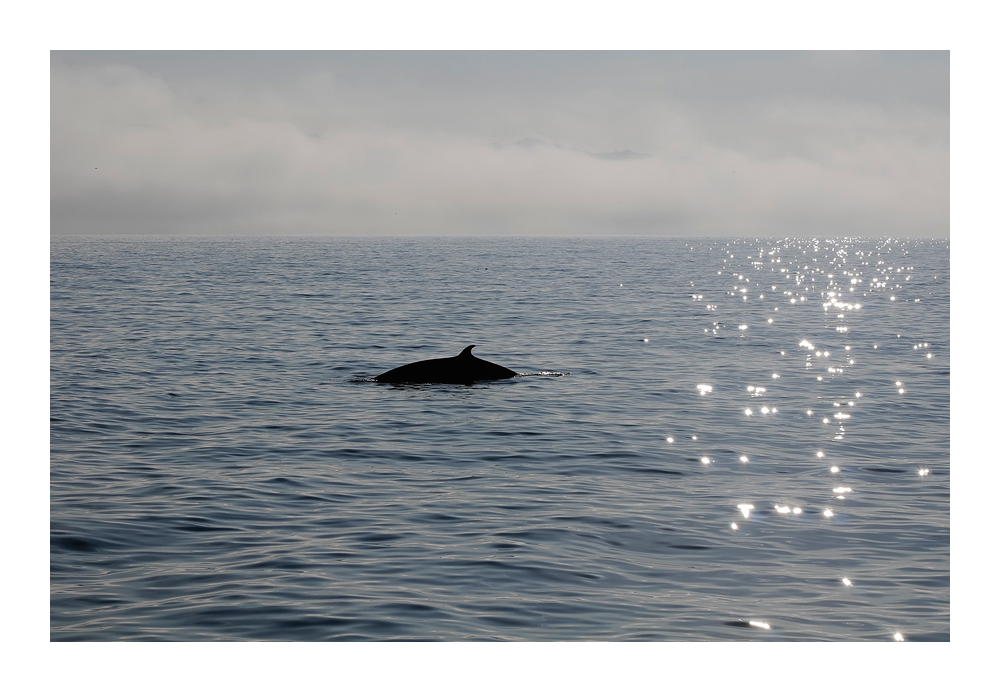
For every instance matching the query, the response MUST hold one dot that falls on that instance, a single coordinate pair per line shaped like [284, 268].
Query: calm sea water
[223, 469]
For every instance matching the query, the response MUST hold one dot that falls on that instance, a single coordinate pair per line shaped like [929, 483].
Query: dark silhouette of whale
[464, 368]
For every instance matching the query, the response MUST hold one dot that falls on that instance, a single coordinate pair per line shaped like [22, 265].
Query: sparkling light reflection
[745, 509]
[830, 295]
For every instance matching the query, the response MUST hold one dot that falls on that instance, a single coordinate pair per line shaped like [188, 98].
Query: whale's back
[464, 368]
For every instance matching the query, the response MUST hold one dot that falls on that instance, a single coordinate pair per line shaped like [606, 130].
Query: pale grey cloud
[501, 143]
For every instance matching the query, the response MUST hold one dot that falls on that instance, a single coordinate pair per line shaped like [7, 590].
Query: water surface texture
[711, 440]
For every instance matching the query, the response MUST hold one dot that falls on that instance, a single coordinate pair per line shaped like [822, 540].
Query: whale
[464, 368]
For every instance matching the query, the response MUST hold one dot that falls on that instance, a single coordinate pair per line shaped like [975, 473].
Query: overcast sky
[501, 143]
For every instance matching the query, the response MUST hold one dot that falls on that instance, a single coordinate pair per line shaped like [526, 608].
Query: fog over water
[501, 143]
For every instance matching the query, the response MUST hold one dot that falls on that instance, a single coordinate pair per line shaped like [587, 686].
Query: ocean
[708, 440]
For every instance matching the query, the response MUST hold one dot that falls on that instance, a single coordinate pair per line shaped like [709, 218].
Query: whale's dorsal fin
[467, 352]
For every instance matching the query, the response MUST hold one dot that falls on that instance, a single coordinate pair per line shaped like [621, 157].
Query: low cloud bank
[140, 150]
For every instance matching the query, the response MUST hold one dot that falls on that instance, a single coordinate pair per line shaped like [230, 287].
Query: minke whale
[464, 368]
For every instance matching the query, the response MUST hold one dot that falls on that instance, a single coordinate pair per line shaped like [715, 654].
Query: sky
[598, 143]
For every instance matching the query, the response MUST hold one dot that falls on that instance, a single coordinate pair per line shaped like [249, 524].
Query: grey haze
[508, 143]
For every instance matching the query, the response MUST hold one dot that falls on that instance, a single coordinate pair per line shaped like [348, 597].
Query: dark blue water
[222, 469]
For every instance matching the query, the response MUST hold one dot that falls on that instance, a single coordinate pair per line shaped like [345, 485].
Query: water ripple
[223, 467]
